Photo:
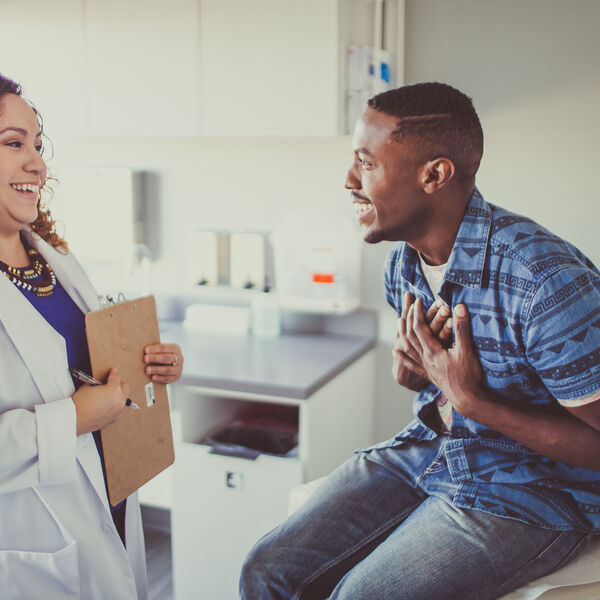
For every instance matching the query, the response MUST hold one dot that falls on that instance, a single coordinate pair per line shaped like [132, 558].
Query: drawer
[222, 506]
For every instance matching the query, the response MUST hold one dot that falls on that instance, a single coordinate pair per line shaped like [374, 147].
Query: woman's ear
[435, 174]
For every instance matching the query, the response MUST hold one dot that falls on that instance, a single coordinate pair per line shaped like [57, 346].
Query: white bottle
[266, 315]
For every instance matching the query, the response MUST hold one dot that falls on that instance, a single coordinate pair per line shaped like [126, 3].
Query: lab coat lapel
[76, 283]
[42, 348]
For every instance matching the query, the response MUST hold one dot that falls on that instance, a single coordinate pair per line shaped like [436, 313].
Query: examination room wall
[531, 68]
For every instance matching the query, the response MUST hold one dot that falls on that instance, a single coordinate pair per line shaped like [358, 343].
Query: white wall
[223, 183]
[531, 68]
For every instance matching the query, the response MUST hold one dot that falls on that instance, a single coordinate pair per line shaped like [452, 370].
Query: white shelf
[223, 504]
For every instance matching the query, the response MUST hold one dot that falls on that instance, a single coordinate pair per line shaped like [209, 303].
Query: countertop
[290, 365]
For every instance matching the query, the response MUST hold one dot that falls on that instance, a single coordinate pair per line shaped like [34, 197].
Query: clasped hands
[424, 352]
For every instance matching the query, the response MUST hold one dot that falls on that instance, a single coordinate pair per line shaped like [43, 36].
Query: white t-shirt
[434, 274]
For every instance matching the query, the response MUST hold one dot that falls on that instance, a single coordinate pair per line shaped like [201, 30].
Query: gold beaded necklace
[38, 279]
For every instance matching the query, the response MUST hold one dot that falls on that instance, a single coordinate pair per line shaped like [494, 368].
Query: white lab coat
[57, 537]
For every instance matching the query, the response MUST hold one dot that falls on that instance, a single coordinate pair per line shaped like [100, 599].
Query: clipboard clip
[109, 300]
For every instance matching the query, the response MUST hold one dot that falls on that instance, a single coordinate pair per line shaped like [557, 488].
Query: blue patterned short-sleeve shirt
[534, 305]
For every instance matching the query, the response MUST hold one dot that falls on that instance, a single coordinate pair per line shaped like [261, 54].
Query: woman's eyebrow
[20, 130]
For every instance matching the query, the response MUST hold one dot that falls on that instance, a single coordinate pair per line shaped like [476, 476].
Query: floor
[158, 553]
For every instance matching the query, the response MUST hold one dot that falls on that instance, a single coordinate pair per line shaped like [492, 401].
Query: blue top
[534, 306]
[66, 318]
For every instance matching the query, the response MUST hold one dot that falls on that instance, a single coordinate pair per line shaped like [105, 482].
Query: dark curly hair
[441, 121]
[44, 225]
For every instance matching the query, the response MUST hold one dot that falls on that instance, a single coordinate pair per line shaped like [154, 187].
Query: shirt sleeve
[562, 335]
[575, 402]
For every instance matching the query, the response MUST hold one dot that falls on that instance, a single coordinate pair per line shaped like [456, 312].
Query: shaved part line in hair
[436, 120]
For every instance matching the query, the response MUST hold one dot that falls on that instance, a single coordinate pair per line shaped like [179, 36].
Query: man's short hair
[438, 120]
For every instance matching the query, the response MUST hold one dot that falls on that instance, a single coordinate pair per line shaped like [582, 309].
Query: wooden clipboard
[140, 444]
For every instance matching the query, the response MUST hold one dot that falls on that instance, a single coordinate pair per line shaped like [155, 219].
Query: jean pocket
[27, 574]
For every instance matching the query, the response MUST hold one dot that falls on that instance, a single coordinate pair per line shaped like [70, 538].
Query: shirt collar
[467, 259]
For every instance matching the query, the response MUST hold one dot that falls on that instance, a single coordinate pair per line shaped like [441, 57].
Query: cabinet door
[222, 506]
[142, 60]
[269, 67]
[41, 47]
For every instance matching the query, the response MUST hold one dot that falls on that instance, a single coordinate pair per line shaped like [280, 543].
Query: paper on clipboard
[140, 444]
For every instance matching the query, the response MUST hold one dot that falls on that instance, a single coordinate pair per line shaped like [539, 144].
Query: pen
[82, 376]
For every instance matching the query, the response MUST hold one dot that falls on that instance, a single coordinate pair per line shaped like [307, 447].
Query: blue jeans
[371, 532]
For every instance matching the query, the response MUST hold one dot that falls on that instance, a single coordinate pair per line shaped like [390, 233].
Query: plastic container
[266, 315]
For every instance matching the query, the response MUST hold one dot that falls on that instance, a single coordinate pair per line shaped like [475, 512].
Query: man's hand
[407, 368]
[571, 438]
[455, 370]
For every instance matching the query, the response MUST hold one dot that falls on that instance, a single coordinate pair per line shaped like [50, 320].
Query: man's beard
[384, 235]
[374, 237]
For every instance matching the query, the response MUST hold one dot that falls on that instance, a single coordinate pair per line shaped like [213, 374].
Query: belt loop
[457, 461]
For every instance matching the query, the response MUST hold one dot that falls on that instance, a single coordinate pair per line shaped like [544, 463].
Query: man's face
[389, 203]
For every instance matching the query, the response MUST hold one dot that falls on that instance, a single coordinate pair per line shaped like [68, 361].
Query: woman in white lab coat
[58, 538]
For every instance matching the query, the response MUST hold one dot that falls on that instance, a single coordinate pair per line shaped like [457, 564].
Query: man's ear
[435, 174]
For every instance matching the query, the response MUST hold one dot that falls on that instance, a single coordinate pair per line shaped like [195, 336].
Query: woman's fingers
[164, 362]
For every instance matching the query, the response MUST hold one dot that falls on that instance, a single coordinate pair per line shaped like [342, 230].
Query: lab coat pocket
[31, 575]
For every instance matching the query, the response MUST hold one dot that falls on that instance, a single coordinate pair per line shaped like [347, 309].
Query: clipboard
[140, 444]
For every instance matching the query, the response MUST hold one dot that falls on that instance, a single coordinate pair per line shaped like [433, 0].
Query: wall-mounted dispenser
[317, 264]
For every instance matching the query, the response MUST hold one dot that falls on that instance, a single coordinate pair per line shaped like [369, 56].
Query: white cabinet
[142, 63]
[42, 47]
[106, 67]
[214, 526]
[269, 67]
[147, 68]
[277, 67]
[224, 504]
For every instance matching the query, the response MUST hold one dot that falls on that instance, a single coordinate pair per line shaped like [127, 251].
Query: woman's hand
[164, 362]
[100, 405]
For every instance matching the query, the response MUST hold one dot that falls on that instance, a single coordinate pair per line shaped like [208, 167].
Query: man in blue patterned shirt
[497, 480]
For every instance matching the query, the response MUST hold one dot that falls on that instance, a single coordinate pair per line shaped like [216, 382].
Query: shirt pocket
[40, 574]
[504, 377]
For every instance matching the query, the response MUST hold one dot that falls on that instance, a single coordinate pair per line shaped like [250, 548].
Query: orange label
[322, 277]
